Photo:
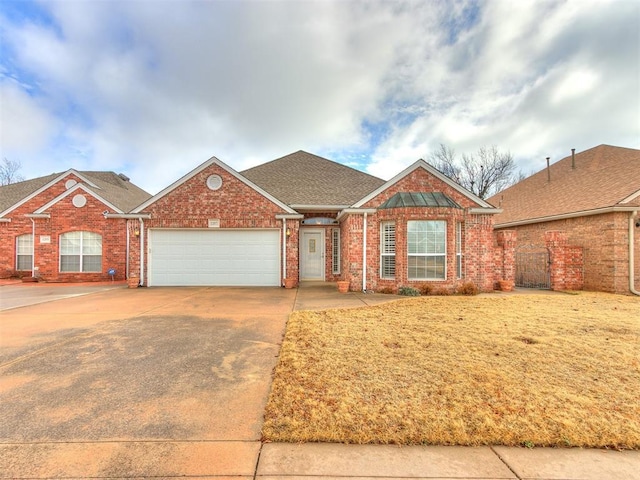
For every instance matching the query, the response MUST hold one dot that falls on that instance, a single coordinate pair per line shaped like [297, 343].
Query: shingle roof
[302, 178]
[112, 187]
[603, 177]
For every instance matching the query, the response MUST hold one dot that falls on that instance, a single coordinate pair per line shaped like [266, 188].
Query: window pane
[388, 266]
[388, 238]
[24, 244]
[91, 244]
[425, 237]
[24, 262]
[426, 268]
[24, 251]
[387, 250]
[92, 263]
[69, 263]
[336, 251]
[70, 243]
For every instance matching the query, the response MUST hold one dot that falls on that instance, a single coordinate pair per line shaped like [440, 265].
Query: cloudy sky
[153, 88]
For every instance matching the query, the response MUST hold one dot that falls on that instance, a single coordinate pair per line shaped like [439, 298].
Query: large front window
[24, 252]
[427, 250]
[387, 250]
[80, 252]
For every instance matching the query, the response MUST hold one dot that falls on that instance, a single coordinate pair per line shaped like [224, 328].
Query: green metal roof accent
[419, 199]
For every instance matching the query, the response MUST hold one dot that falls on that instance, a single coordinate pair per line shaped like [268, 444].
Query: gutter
[129, 216]
[364, 253]
[632, 285]
[563, 216]
[357, 211]
[141, 250]
[33, 217]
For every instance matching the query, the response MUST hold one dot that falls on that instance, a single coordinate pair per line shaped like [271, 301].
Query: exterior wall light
[288, 232]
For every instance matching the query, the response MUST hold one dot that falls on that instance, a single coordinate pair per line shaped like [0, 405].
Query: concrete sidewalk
[331, 461]
[98, 342]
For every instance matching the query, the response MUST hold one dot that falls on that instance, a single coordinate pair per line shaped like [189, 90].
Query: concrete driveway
[143, 382]
[114, 382]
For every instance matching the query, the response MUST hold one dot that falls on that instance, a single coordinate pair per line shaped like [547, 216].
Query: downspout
[33, 247]
[632, 286]
[141, 251]
[284, 248]
[128, 238]
[364, 253]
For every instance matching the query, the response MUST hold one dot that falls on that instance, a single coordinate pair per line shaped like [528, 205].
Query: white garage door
[214, 257]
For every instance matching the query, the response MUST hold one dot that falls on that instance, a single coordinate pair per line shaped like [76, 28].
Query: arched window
[24, 252]
[80, 252]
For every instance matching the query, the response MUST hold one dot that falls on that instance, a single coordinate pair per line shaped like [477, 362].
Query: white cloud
[155, 88]
[25, 125]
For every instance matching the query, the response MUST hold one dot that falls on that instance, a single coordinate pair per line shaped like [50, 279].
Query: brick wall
[603, 240]
[566, 267]
[478, 252]
[505, 256]
[235, 205]
[65, 217]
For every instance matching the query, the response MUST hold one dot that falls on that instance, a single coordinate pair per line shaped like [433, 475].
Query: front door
[312, 255]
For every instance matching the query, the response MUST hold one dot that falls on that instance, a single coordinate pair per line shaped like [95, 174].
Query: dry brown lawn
[539, 369]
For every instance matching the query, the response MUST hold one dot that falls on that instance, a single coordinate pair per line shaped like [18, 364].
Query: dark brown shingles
[302, 178]
[603, 176]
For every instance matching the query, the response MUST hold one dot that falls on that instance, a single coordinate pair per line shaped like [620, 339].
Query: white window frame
[24, 248]
[80, 250]
[335, 252]
[388, 250]
[431, 247]
[459, 254]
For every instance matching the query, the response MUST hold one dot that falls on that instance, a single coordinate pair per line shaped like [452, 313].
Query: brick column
[506, 240]
[556, 242]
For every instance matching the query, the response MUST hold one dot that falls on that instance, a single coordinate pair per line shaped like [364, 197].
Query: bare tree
[9, 172]
[484, 173]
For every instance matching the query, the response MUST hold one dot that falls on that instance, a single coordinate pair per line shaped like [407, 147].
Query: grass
[531, 370]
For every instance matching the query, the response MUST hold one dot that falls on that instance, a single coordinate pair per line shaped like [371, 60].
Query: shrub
[426, 289]
[467, 288]
[442, 291]
[385, 290]
[408, 292]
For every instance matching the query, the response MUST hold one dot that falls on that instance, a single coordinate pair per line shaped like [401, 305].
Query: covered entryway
[189, 257]
[532, 267]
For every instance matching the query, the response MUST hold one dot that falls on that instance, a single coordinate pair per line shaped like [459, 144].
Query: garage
[180, 257]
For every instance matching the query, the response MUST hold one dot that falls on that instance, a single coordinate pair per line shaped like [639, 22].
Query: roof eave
[563, 216]
[357, 211]
[324, 208]
[485, 211]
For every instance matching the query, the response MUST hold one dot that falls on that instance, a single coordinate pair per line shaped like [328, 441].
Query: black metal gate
[533, 267]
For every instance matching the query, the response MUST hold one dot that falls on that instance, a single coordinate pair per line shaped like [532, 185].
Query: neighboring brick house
[585, 205]
[303, 217]
[56, 227]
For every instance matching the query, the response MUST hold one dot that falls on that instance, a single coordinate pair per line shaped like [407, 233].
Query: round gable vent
[214, 182]
[70, 183]
[79, 200]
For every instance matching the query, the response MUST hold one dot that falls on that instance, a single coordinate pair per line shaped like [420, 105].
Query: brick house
[583, 210]
[58, 228]
[302, 218]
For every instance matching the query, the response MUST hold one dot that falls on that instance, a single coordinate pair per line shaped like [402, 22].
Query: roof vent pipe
[573, 158]
[548, 170]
